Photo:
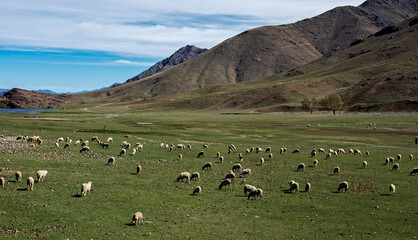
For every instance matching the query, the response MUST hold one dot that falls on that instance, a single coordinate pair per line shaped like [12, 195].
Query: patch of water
[144, 123]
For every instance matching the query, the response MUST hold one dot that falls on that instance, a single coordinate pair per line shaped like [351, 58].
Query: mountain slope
[19, 98]
[180, 56]
[270, 50]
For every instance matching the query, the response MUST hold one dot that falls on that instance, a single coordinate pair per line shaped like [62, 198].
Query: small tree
[332, 102]
[309, 104]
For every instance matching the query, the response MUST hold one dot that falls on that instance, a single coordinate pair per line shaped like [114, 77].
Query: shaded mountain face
[270, 50]
[180, 56]
[19, 98]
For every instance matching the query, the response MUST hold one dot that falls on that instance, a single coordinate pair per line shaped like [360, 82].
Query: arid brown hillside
[19, 98]
[269, 50]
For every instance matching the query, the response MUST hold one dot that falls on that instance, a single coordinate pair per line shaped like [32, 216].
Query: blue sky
[69, 46]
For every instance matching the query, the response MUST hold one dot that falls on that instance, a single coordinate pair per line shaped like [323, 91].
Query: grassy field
[54, 210]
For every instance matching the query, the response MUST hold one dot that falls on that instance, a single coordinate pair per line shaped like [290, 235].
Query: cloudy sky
[66, 45]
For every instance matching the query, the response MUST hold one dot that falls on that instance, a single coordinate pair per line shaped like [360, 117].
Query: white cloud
[142, 28]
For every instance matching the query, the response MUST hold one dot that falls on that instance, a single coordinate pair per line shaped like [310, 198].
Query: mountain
[19, 98]
[2, 91]
[180, 56]
[270, 50]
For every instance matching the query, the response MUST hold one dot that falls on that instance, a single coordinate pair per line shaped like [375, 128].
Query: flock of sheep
[250, 191]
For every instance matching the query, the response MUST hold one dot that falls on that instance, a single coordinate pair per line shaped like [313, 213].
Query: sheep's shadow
[135, 173]
[77, 195]
[336, 192]
[286, 190]
[130, 224]
[311, 166]
[385, 194]
[12, 181]
[22, 189]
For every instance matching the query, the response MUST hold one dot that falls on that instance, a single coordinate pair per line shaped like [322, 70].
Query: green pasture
[54, 210]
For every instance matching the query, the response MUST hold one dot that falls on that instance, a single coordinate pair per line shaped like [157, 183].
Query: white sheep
[230, 175]
[399, 157]
[189, 146]
[57, 145]
[111, 161]
[313, 153]
[391, 160]
[295, 151]
[30, 182]
[395, 167]
[109, 140]
[258, 149]
[85, 149]
[180, 146]
[133, 151]
[341, 151]
[184, 175]
[195, 175]
[180, 156]
[315, 163]
[197, 190]
[2, 181]
[225, 183]
[122, 152]
[218, 154]
[270, 156]
[328, 156]
[258, 192]
[244, 172]
[138, 217]
[221, 159]
[321, 150]
[124, 144]
[368, 153]
[268, 149]
[236, 167]
[411, 157]
[294, 187]
[261, 161]
[308, 187]
[356, 151]
[392, 188]
[138, 169]
[343, 185]
[41, 175]
[351, 151]
[200, 154]
[205, 146]
[18, 176]
[85, 143]
[336, 170]
[301, 167]
[414, 171]
[247, 151]
[85, 187]
[364, 164]
[162, 145]
[248, 188]
[61, 139]
[207, 165]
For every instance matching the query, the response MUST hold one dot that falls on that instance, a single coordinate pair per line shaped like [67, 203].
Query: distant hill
[2, 91]
[267, 51]
[180, 56]
[19, 98]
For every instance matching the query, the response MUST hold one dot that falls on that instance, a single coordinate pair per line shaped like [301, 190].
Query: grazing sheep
[229, 151]
[171, 149]
[321, 150]
[240, 155]
[133, 151]
[336, 170]
[258, 149]
[2, 181]
[232, 147]
[313, 153]
[331, 151]
[282, 151]
[109, 140]
[258, 192]
[335, 153]
[395, 167]
[414, 171]
[205, 146]
[225, 183]
[41, 175]
[368, 153]
[122, 152]
[356, 151]
[247, 151]
[307, 187]
[270, 156]
[66, 145]
[124, 144]
[207, 165]
[57, 145]
[61, 139]
[95, 138]
[294, 187]
[221, 159]
[351, 151]
[30, 182]
[248, 188]
[218, 154]
[301, 167]
[195, 175]
[138, 169]
[315, 163]
[341, 151]
[189, 146]
[197, 190]
[85, 149]
[77, 142]
[392, 189]
[261, 161]
[387, 161]
[343, 185]
[328, 156]
[244, 172]
[138, 217]
[184, 175]
[128, 146]
[399, 157]
[180, 146]
[230, 175]
[411, 157]
[85, 187]
[85, 143]
[18, 176]
[162, 145]
[295, 151]
[236, 167]
[391, 160]
[268, 149]
[364, 164]
[111, 161]
[180, 156]
[200, 154]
